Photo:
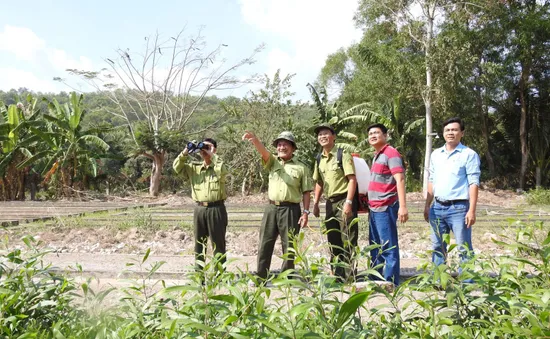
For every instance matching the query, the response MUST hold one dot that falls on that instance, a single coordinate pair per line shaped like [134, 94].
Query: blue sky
[40, 39]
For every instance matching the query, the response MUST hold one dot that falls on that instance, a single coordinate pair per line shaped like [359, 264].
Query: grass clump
[538, 196]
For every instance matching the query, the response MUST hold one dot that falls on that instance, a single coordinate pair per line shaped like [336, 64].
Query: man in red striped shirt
[386, 201]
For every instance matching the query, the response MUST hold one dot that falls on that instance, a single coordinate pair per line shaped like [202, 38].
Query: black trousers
[277, 220]
[210, 222]
[342, 237]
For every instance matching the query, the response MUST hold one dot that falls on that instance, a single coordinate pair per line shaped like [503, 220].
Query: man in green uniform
[337, 180]
[289, 183]
[207, 178]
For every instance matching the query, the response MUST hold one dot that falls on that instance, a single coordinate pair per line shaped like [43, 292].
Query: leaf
[144, 259]
[225, 298]
[178, 289]
[300, 310]
[230, 319]
[275, 328]
[350, 306]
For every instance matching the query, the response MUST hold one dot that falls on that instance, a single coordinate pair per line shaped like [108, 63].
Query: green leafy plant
[538, 196]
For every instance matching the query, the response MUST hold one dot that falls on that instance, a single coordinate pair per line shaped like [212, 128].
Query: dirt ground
[177, 240]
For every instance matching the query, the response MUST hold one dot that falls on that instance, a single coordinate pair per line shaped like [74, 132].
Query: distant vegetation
[485, 61]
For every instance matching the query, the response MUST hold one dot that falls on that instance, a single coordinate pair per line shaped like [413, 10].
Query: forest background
[418, 63]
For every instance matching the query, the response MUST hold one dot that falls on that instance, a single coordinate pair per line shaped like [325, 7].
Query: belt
[336, 198]
[210, 203]
[283, 203]
[450, 202]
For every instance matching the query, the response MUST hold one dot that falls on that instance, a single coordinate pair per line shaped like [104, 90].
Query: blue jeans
[383, 231]
[444, 219]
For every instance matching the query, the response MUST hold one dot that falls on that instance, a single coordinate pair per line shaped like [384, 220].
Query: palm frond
[348, 147]
[48, 137]
[347, 135]
[94, 139]
[320, 103]
[32, 159]
[410, 127]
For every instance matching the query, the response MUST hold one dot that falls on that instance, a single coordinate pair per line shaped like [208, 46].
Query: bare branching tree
[164, 87]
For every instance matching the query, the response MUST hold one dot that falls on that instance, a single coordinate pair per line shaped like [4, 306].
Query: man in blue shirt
[454, 182]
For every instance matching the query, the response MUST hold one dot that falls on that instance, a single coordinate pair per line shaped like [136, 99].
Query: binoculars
[196, 147]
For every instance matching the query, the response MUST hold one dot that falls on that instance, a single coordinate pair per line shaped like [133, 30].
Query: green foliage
[508, 297]
[266, 112]
[538, 196]
[486, 59]
[33, 300]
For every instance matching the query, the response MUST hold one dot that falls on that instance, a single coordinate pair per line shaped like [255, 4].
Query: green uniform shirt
[207, 183]
[330, 175]
[287, 180]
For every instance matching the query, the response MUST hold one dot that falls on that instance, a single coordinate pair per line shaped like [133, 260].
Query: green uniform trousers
[277, 220]
[210, 222]
[342, 237]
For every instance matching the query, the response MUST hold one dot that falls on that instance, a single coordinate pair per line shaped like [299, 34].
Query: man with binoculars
[207, 178]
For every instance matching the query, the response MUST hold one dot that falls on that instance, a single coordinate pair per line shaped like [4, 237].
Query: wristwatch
[307, 212]
[349, 202]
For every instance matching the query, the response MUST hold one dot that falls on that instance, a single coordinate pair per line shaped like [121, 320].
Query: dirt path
[103, 243]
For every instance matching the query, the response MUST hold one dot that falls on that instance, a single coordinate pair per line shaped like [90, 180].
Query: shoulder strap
[318, 157]
[339, 154]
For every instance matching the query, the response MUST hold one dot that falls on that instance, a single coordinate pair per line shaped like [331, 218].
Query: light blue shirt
[452, 173]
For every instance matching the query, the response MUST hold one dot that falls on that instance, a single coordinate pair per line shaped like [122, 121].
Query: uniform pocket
[214, 183]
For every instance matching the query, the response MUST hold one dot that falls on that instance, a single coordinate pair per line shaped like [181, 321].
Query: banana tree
[17, 146]
[406, 136]
[71, 153]
[331, 113]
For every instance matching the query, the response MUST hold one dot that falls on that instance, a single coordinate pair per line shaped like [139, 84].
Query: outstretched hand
[249, 136]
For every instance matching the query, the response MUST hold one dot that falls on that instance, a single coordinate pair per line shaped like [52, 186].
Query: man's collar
[382, 149]
[458, 148]
[286, 161]
[333, 151]
[212, 160]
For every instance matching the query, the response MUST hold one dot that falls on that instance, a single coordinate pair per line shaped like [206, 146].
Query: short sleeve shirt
[383, 186]
[288, 180]
[452, 173]
[331, 176]
[207, 182]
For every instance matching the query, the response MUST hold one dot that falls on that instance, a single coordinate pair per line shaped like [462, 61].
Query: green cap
[286, 135]
[324, 126]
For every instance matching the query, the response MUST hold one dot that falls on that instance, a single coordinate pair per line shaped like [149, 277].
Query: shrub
[508, 297]
[32, 298]
[538, 196]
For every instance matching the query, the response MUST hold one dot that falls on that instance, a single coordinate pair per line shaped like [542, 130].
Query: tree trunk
[525, 70]
[428, 104]
[484, 113]
[538, 177]
[243, 187]
[485, 134]
[156, 173]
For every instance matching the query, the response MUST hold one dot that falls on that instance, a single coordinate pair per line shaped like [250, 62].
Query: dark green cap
[286, 135]
[324, 126]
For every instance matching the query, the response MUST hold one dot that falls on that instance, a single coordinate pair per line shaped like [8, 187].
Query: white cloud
[313, 28]
[12, 78]
[20, 41]
[37, 62]
[60, 60]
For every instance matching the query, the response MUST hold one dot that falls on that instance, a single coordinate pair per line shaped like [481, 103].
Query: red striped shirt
[382, 186]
